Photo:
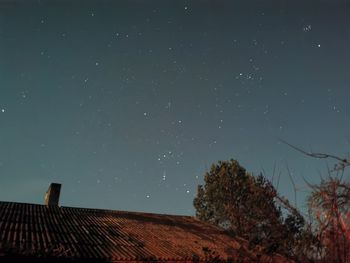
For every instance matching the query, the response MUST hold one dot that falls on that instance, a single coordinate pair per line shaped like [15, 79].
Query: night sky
[128, 103]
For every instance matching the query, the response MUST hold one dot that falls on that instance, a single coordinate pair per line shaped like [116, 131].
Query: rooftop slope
[83, 234]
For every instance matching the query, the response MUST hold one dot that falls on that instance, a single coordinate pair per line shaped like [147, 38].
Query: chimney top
[52, 195]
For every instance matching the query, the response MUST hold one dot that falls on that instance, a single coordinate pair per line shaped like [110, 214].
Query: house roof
[79, 233]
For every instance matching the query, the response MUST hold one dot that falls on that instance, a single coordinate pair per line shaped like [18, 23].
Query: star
[307, 28]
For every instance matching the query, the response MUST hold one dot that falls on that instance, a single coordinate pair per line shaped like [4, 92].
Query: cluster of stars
[158, 94]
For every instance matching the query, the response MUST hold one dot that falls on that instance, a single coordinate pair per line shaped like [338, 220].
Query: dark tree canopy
[245, 205]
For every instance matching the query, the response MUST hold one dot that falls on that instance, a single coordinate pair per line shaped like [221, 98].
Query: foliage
[246, 206]
[328, 230]
[329, 205]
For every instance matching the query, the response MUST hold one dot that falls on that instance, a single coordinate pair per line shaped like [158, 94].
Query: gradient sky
[128, 103]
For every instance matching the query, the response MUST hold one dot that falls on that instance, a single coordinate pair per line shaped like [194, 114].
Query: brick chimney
[52, 195]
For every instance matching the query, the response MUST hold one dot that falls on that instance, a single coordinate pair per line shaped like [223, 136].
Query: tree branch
[343, 162]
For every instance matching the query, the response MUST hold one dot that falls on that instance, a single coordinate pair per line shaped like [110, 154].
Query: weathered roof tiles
[78, 233]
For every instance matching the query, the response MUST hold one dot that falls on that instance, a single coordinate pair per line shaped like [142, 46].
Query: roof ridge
[103, 210]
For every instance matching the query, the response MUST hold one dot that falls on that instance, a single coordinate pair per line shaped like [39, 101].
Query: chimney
[52, 195]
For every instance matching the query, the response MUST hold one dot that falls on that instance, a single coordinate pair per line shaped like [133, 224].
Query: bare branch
[278, 180]
[343, 162]
[273, 173]
[294, 186]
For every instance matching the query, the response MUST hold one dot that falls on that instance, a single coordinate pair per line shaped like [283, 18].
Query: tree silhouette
[246, 206]
[329, 207]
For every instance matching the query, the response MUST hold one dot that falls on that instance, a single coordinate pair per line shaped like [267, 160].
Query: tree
[246, 206]
[329, 204]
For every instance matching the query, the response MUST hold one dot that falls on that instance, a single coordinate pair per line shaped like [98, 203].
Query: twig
[343, 162]
[294, 186]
